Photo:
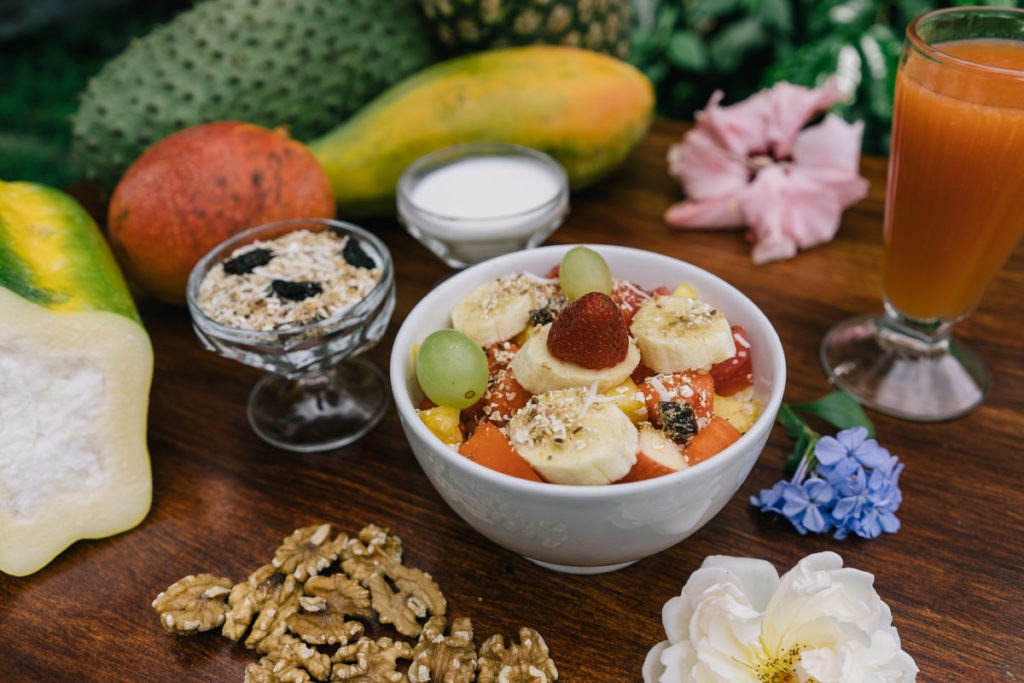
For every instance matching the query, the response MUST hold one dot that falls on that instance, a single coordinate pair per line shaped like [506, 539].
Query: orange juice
[955, 201]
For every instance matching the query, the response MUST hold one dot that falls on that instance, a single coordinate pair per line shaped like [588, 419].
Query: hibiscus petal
[780, 206]
[792, 107]
[721, 212]
[741, 127]
[830, 152]
[704, 168]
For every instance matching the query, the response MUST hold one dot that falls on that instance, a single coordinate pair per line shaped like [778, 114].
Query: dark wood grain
[223, 500]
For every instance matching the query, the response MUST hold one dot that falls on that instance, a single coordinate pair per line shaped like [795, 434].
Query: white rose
[736, 621]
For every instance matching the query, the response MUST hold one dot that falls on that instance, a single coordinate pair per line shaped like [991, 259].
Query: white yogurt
[486, 187]
[470, 202]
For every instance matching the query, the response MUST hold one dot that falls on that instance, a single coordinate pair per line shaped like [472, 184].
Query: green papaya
[586, 109]
[77, 365]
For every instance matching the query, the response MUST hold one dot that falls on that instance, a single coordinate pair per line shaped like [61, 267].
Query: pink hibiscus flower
[758, 164]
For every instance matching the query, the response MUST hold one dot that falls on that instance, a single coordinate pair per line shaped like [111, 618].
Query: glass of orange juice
[954, 213]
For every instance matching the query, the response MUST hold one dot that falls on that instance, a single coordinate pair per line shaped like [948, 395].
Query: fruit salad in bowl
[586, 405]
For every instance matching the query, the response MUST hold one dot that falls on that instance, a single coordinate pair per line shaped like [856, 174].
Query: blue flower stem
[801, 459]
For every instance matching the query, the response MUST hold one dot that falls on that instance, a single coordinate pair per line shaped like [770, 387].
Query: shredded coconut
[516, 284]
[554, 416]
[313, 259]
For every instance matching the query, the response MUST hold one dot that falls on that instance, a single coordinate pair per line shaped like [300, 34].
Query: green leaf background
[690, 48]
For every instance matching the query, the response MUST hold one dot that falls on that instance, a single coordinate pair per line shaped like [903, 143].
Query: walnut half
[526, 662]
[193, 604]
[327, 603]
[447, 659]
[308, 550]
[402, 595]
[370, 661]
[266, 590]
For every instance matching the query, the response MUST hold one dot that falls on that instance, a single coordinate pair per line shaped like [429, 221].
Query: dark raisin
[295, 291]
[356, 256]
[247, 262]
[677, 420]
[547, 314]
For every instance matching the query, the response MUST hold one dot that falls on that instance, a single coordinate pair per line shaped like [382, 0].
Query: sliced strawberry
[736, 373]
[641, 373]
[590, 332]
[697, 389]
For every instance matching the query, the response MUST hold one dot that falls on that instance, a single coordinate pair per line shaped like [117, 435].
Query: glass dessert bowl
[300, 299]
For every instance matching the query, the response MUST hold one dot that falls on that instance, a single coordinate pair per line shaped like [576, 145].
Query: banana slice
[569, 438]
[538, 371]
[677, 333]
[499, 309]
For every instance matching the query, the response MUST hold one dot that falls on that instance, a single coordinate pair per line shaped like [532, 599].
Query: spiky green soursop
[471, 25]
[303, 64]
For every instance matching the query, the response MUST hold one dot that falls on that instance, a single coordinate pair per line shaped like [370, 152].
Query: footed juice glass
[954, 213]
[318, 395]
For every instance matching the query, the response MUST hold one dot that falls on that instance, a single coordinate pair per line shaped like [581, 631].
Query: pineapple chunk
[629, 400]
[687, 290]
[443, 421]
[738, 411]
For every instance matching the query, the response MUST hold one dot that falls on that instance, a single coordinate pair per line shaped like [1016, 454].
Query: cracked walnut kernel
[374, 546]
[265, 589]
[291, 658]
[402, 595]
[193, 604]
[529, 661]
[307, 551]
[437, 657]
[324, 608]
[371, 661]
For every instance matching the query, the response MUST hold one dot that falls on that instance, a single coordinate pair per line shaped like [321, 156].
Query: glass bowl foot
[322, 411]
[902, 374]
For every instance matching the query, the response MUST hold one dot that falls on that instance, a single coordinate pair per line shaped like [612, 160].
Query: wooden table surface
[223, 500]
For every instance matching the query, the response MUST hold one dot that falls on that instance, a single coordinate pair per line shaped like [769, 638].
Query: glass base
[900, 373]
[320, 412]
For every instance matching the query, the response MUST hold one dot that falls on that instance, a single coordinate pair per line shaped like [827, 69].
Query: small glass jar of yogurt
[470, 202]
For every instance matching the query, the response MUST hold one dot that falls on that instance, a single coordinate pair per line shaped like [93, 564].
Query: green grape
[582, 271]
[451, 369]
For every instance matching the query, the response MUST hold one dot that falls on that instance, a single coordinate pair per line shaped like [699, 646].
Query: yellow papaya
[586, 109]
[76, 364]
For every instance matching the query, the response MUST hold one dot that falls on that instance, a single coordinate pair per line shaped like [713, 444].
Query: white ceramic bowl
[588, 529]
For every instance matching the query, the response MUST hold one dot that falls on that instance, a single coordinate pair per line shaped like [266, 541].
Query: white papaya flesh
[76, 366]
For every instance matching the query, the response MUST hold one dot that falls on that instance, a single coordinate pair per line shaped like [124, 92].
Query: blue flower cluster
[849, 484]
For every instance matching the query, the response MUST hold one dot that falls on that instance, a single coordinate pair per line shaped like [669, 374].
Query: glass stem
[920, 337]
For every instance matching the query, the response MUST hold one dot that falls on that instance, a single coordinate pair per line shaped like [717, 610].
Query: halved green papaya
[77, 365]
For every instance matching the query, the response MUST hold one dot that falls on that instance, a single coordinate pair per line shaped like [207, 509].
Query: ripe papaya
[586, 109]
[76, 364]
